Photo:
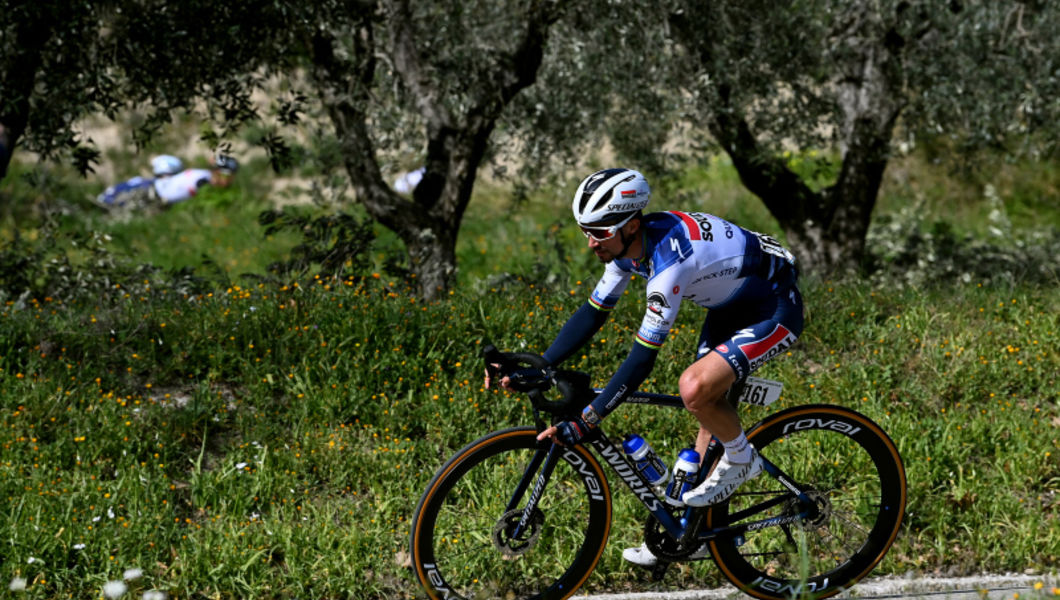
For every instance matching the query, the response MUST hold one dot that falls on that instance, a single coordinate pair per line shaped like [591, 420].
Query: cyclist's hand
[504, 380]
[567, 433]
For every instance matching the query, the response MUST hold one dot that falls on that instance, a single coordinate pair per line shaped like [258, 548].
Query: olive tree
[449, 70]
[852, 75]
[62, 60]
[47, 75]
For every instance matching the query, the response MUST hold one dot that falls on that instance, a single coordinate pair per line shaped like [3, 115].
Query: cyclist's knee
[703, 386]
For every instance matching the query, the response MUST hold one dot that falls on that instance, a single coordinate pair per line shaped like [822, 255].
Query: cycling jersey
[711, 262]
[137, 192]
[181, 186]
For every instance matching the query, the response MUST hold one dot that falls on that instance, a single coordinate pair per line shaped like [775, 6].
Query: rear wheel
[472, 539]
[854, 476]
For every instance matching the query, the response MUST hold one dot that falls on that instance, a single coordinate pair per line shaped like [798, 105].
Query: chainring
[662, 545]
[510, 545]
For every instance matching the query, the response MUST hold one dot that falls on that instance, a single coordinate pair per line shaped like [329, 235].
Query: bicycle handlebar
[532, 374]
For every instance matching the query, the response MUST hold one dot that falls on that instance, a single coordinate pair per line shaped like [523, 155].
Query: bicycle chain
[662, 545]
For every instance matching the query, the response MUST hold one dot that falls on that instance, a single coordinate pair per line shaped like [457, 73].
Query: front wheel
[472, 538]
[854, 475]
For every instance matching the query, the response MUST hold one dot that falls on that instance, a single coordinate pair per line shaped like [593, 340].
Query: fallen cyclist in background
[172, 183]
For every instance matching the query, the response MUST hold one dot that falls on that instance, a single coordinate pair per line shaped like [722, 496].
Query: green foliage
[260, 438]
[272, 440]
[333, 245]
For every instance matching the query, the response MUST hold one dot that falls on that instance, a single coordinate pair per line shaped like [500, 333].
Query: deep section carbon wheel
[856, 485]
[472, 538]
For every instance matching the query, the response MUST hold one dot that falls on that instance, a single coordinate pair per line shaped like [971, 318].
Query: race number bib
[761, 392]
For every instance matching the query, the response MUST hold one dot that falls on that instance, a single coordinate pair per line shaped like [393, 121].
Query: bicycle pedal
[659, 570]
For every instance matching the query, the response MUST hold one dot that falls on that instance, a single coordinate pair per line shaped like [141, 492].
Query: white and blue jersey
[746, 279]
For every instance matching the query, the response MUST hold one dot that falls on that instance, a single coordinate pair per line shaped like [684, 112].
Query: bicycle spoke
[848, 471]
[478, 546]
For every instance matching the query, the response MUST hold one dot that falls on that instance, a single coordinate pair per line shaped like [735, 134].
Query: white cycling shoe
[723, 481]
[643, 557]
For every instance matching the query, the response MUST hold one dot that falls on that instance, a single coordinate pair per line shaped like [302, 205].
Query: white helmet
[166, 165]
[610, 193]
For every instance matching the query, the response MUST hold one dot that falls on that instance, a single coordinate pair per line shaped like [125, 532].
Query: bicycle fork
[540, 456]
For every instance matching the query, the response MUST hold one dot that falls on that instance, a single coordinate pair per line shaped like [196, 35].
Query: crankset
[510, 543]
[665, 547]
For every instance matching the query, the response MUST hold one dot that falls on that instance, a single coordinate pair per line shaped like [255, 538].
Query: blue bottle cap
[632, 443]
[689, 455]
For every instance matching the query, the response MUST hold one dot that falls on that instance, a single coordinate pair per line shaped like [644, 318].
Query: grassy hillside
[242, 438]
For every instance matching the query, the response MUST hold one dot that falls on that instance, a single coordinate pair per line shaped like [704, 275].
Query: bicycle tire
[856, 475]
[454, 540]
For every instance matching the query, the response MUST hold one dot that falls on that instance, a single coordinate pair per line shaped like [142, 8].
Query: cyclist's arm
[578, 330]
[590, 317]
[633, 371]
[663, 302]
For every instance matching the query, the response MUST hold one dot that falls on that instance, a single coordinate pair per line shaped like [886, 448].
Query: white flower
[17, 584]
[154, 595]
[114, 589]
[241, 465]
[134, 573]
[33, 559]
[79, 546]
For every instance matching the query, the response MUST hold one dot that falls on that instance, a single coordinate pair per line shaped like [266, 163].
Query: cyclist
[171, 183]
[745, 279]
[185, 184]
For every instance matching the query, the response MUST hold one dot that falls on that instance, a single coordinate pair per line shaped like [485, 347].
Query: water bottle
[644, 458]
[685, 469]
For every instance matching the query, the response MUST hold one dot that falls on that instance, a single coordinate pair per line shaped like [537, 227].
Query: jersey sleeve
[590, 317]
[660, 312]
[633, 371]
[579, 329]
[610, 287]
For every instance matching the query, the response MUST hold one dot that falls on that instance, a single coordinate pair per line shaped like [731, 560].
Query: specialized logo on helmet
[610, 192]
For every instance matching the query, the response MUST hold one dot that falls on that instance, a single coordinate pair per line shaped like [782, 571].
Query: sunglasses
[603, 233]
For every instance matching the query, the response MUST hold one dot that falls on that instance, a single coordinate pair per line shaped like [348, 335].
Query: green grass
[272, 441]
[260, 442]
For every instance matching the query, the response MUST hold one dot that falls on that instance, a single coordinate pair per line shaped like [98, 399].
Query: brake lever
[527, 380]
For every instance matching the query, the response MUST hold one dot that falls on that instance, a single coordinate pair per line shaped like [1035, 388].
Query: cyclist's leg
[756, 334]
[703, 387]
[703, 384]
[715, 330]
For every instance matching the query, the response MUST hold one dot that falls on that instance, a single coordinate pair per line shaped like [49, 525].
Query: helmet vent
[604, 199]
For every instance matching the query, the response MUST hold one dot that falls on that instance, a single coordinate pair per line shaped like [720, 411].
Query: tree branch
[345, 89]
[409, 63]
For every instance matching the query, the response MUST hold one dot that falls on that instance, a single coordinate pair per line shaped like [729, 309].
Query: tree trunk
[456, 143]
[20, 58]
[825, 230]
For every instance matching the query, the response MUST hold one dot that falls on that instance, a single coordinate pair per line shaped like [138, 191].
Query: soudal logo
[779, 340]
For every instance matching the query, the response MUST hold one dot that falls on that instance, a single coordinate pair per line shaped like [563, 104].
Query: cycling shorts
[749, 335]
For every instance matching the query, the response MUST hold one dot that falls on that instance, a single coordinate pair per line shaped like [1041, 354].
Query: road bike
[511, 517]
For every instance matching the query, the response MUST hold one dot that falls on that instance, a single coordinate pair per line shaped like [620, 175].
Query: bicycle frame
[682, 529]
